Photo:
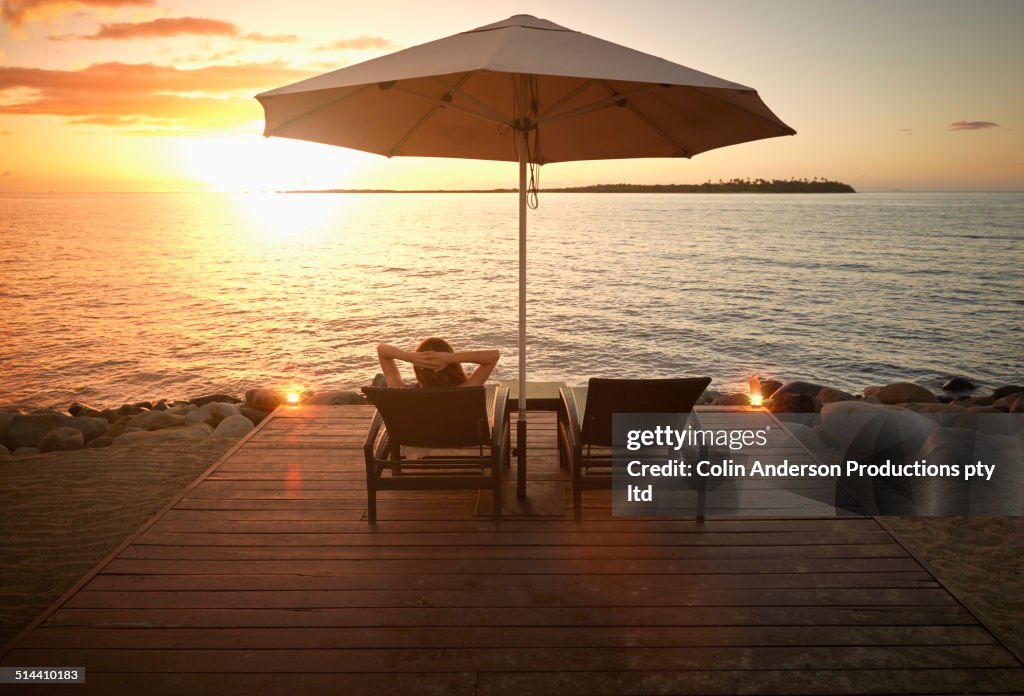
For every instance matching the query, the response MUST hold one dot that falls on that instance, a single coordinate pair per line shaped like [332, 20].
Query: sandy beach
[61, 513]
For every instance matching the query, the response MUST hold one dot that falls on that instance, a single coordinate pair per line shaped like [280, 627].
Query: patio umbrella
[527, 90]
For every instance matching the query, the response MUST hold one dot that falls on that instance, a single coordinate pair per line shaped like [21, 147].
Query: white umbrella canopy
[462, 97]
[527, 90]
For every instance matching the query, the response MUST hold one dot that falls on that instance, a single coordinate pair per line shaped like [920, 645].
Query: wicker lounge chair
[585, 422]
[466, 432]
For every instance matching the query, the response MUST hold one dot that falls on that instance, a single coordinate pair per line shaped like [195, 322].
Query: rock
[156, 420]
[737, 399]
[101, 441]
[864, 429]
[4, 452]
[5, 423]
[61, 440]
[233, 427]
[253, 414]
[708, 397]
[91, 427]
[379, 380]
[945, 414]
[959, 384]
[26, 431]
[1006, 391]
[212, 413]
[808, 436]
[793, 402]
[1007, 401]
[988, 420]
[263, 399]
[796, 387]
[212, 398]
[160, 405]
[181, 409]
[118, 426]
[190, 433]
[1018, 405]
[903, 393]
[111, 415]
[335, 398]
[769, 387]
[129, 410]
[25, 451]
[80, 409]
[828, 395]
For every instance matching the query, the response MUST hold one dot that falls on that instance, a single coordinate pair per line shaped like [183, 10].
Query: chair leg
[371, 503]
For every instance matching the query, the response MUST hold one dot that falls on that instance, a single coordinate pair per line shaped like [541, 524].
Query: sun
[252, 163]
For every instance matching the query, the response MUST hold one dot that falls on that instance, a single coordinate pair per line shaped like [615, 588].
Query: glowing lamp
[755, 391]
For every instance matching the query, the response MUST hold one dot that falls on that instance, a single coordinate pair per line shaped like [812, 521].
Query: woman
[437, 365]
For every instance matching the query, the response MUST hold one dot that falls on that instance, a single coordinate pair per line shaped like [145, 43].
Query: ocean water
[108, 298]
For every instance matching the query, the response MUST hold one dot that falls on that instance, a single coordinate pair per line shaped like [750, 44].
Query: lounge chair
[465, 429]
[585, 423]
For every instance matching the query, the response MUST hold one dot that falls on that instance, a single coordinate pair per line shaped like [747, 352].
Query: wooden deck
[265, 578]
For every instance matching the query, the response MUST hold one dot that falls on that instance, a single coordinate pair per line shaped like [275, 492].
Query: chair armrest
[499, 416]
[371, 437]
[569, 412]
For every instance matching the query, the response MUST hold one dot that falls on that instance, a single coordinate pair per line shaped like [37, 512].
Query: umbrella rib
[448, 105]
[454, 89]
[567, 97]
[643, 118]
[774, 120]
[426, 117]
[603, 103]
[340, 99]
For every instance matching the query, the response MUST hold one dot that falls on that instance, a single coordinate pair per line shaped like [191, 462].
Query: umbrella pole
[521, 424]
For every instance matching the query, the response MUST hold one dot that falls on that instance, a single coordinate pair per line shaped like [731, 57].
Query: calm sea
[121, 297]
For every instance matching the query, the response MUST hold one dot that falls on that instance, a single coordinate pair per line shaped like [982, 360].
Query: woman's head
[451, 375]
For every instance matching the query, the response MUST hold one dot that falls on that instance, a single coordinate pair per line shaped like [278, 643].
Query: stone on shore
[91, 427]
[156, 420]
[1006, 391]
[901, 393]
[25, 451]
[769, 387]
[80, 409]
[192, 433]
[26, 431]
[233, 427]
[4, 452]
[214, 398]
[828, 395]
[263, 399]
[865, 429]
[255, 415]
[5, 423]
[379, 380]
[959, 384]
[1007, 401]
[796, 387]
[735, 399]
[335, 398]
[101, 441]
[212, 413]
[792, 402]
[61, 440]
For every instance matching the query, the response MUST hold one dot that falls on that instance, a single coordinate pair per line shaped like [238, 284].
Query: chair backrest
[434, 417]
[608, 396]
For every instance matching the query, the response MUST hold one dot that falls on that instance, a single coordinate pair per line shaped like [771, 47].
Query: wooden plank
[522, 659]
[56, 638]
[570, 584]
[498, 617]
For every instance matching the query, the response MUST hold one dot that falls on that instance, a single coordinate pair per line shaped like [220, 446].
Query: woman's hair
[451, 376]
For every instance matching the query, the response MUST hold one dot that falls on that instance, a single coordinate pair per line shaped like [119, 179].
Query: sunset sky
[156, 95]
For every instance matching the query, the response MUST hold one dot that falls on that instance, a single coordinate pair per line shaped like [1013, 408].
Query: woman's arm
[387, 356]
[485, 359]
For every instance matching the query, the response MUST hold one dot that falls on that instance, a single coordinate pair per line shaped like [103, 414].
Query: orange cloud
[16, 12]
[174, 26]
[120, 94]
[972, 125]
[359, 43]
[167, 26]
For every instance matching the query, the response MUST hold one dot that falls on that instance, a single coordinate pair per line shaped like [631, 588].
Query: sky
[157, 95]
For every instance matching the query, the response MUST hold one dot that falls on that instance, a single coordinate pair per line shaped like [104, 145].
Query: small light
[755, 391]
[292, 397]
